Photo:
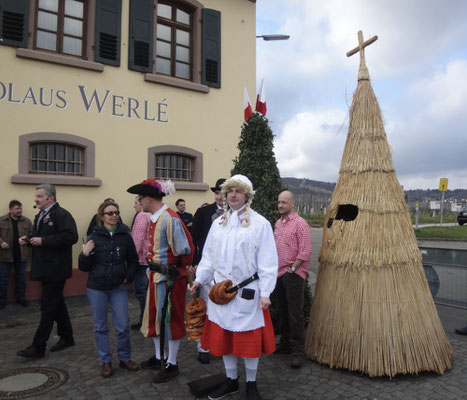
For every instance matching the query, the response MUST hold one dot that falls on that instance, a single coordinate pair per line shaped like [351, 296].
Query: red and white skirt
[250, 344]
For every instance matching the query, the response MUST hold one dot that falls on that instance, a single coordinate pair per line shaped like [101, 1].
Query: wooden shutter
[14, 22]
[211, 54]
[108, 31]
[141, 35]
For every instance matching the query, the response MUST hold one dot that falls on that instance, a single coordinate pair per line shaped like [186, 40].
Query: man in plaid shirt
[293, 242]
[140, 234]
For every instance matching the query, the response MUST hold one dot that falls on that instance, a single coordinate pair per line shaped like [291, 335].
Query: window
[175, 42]
[174, 33]
[56, 158]
[79, 33]
[181, 164]
[173, 166]
[61, 26]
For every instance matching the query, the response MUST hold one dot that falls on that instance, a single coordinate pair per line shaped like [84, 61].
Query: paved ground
[275, 379]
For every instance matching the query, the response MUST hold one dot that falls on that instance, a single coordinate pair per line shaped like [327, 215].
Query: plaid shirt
[140, 234]
[293, 242]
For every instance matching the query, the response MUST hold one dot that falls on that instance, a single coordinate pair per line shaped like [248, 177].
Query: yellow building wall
[207, 122]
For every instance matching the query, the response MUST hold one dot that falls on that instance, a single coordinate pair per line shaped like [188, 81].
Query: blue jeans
[141, 288]
[20, 279]
[118, 300]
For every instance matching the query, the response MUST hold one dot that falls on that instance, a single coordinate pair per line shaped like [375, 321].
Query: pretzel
[218, 293]
[195, 316]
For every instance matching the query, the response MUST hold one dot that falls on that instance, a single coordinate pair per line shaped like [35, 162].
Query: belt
[170, 270]
[242, 284]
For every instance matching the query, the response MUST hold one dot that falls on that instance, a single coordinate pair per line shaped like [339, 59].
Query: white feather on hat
[167, 187]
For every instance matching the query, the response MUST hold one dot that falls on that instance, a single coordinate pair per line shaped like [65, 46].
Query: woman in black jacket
[110, 258]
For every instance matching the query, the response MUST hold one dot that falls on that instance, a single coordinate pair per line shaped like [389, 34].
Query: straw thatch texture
[372, 310]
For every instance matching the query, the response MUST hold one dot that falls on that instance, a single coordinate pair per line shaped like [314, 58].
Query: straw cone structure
[372, 310]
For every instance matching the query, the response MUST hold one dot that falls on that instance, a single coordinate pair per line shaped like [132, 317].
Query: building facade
[96, 95]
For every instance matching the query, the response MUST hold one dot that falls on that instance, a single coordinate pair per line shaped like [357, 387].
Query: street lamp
[273, 37]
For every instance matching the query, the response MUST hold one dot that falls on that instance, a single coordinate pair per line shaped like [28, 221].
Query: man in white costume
[240, 247]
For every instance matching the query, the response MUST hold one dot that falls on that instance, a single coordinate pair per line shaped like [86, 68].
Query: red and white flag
[247, 111]
[261, 100]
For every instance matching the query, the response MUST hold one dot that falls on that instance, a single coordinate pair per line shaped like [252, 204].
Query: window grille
[56, 158]
[173, 166]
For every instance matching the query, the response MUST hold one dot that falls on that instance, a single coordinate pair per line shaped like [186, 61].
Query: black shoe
[252, 391]
[170, 371]
[136, 327]
[152, 363]
[62, 344]
[31, 352]
[283, 348]
[296, 361]
[230, 386]
[204, 358]
[461, 331]
[23, 302]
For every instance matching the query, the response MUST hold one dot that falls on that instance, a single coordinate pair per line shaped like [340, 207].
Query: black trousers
[53, 309]
[289, 300]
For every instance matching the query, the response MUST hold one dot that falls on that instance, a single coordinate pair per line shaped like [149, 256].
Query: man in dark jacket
[12, 255]
[52, 239]
[199, 231]
[203, 219]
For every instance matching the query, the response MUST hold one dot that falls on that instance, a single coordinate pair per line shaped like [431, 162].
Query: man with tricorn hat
[240, 256]
[170, 251]
[202, 222]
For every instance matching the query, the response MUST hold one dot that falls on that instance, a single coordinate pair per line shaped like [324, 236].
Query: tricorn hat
[153, 188]
[218, 184]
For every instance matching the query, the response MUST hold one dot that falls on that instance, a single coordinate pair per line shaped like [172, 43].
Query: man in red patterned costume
[170, 251]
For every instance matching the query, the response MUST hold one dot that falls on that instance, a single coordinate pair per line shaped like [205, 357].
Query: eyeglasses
[110, 213]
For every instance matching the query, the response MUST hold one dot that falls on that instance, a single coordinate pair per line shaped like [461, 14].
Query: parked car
[462, 216]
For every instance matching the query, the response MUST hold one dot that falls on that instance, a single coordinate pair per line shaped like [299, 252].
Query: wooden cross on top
[361, 47]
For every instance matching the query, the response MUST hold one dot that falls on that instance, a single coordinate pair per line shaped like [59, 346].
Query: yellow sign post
[443, 184]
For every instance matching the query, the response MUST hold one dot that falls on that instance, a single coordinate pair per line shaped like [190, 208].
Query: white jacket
[235, 252]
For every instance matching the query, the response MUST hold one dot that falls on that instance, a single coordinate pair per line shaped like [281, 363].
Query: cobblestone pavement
[276, 380]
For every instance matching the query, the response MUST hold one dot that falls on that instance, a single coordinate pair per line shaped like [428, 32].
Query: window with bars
[174, 33]
[61, 26]
[56, 158]
[173, 166]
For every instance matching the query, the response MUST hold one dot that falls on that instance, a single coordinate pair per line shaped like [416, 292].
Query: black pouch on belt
[248, 294]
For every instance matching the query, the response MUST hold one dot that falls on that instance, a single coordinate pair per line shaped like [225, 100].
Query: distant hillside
[301, 187]
[322, 191]
[459, 195]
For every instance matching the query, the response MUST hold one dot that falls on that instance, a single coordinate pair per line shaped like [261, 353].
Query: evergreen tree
[257, 161]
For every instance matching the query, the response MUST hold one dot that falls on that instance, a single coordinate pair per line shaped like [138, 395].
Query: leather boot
[107, 369]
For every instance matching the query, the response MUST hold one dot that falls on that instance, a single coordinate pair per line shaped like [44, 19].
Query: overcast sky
[418, 70]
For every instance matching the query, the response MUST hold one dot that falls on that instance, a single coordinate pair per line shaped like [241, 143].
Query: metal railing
[446, 272]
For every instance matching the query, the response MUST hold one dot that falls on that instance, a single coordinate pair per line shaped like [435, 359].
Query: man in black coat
[54, 234]
[202, 221]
